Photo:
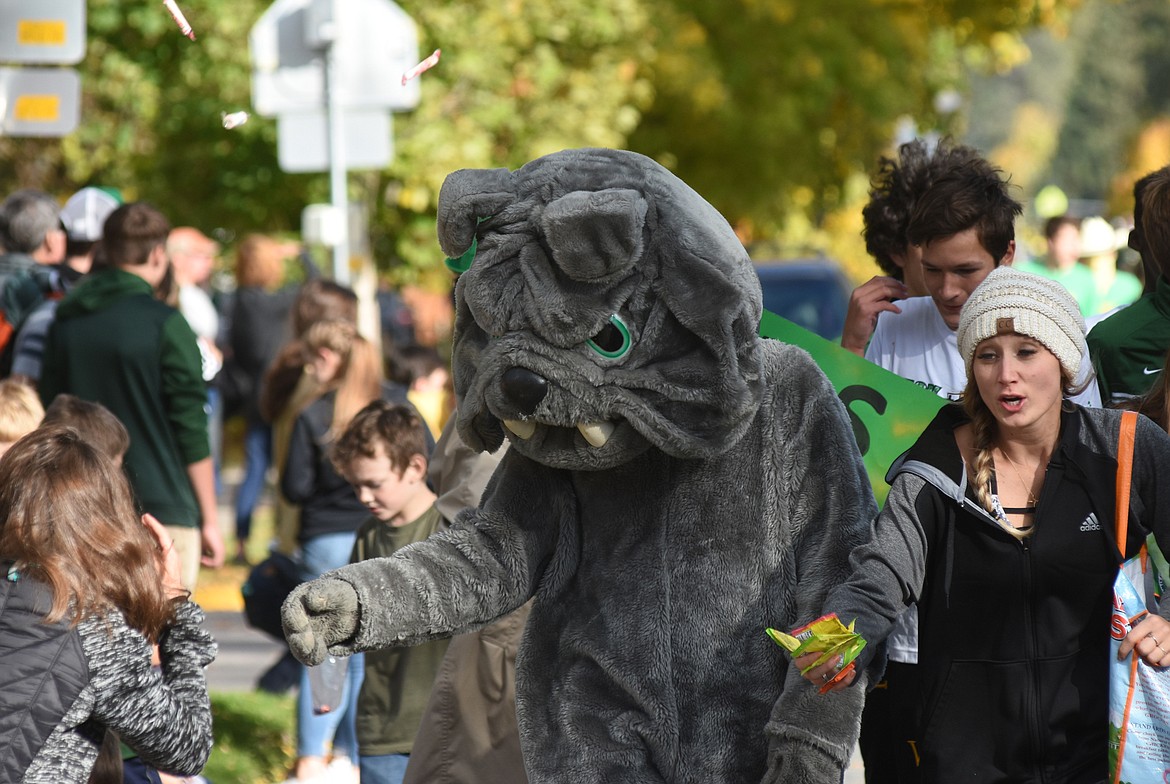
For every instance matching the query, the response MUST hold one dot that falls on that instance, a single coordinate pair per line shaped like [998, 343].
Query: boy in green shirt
[383, 455]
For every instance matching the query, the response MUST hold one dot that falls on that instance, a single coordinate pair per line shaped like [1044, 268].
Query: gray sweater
[165, 716]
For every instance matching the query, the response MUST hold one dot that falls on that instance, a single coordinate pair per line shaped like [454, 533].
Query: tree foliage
[781, 101]
[767, 107]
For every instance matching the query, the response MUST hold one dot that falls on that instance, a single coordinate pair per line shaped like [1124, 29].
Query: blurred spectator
[1063, 235]
[33, 241]
[285, 391]
[83, 217]
[397, 318]
[1099, 245]
[114, 343]
[422, 371]
[192, 254]
[259, 326]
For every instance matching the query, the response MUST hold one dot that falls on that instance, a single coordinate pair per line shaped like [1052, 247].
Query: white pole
[337, 170]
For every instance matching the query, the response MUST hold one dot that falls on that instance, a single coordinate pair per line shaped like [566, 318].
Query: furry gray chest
[654, 641]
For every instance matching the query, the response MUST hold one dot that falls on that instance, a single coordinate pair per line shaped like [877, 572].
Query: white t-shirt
[917, 345]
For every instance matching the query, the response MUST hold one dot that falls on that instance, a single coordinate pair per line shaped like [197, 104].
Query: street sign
[46, 32]
[302, 140]
[374, 42]
[39, 101]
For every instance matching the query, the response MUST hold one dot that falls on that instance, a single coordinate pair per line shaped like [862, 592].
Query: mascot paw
[793, 762]
[318, 614]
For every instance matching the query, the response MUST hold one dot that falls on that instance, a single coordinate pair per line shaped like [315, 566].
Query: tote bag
[1139, 695]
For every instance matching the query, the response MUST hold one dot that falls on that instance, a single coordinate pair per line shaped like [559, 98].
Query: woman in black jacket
[999, 524]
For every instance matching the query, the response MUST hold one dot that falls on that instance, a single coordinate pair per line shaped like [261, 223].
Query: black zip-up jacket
[1013, 635]
[328, 504]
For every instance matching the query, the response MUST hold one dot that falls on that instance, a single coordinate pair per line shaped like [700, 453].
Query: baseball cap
[86, 211]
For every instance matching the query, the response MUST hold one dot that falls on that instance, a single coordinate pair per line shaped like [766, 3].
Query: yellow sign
[37, 108]
[41, 32]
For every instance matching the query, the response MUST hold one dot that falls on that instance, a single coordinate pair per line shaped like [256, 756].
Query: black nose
[524, 389]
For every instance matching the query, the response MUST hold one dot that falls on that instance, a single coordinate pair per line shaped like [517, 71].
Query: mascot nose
[524, 389]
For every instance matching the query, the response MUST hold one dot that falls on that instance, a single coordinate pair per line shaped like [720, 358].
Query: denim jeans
[384, 769]
[257, 457]
[314, 732]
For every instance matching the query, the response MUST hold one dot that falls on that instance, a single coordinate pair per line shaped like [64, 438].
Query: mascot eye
[613, 341]
[463, 263]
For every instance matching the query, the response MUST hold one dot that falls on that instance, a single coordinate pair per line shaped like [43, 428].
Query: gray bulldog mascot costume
[674, 485]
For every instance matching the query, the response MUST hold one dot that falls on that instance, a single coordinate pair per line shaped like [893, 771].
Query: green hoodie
[114, 343]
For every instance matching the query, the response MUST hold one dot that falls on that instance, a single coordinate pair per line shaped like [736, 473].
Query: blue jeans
[314, 732]
[214, 409]
[257, 457]
[383, 769]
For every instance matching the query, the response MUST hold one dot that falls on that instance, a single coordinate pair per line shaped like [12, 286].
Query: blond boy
[20, 412]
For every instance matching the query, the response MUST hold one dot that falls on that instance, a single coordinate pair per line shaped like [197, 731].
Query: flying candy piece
[234, 120]
[180, 20]
[425, 65]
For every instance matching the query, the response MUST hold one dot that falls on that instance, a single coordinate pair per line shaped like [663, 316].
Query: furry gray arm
[486, 565]
[830, 511]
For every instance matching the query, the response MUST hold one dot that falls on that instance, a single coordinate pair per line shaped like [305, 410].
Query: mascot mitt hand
[318, 614]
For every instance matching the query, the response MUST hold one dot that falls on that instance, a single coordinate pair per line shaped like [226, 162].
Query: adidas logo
[1090, 523]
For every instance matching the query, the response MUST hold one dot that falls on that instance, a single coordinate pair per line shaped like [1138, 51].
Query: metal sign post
[345, 58]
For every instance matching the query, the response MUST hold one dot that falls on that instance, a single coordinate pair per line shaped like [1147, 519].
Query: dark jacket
[328, 503]
[33, 695]
[81, 680]
[114, 343]
[1013, 634]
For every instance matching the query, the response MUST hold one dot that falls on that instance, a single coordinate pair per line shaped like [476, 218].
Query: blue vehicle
[813, 293]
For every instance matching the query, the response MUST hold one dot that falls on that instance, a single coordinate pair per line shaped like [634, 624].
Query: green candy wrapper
[827, 636]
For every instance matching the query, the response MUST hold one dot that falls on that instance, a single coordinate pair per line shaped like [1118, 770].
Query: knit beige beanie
[1009, 300]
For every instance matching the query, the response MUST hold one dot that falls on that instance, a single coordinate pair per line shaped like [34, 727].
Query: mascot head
[603, 308]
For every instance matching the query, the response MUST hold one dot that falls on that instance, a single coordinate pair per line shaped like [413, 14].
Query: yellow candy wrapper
[827, 636]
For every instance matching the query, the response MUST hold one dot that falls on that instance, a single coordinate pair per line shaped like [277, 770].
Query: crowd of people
[988, 573]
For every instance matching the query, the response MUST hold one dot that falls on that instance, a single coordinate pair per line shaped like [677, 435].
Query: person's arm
[865, 304]
[185, 396]
[885, 575]
[202, 477]
[163, 715]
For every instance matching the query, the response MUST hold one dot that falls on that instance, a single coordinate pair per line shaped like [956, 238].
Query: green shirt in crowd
[114, 343]
[1129, 348]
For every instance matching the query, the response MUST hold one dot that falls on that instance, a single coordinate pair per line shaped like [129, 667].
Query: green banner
[888, 412]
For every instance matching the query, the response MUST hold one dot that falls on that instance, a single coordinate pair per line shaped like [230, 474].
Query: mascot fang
[674, 485]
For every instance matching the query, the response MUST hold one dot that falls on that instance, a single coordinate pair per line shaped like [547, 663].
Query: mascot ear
[467, 197]
[595, 234]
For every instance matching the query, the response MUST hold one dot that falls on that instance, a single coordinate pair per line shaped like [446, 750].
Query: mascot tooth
[596, 433]
[520, 429]
[599, 295]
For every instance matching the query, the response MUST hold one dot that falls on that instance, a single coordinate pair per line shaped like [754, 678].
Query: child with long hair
[348, 370]
[87, 586]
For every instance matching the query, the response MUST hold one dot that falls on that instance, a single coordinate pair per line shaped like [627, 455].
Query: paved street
[244, 653]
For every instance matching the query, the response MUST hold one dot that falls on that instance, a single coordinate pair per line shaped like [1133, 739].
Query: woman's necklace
[1026, 485]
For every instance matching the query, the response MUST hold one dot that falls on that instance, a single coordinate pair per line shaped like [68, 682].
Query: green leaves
[766, 107]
